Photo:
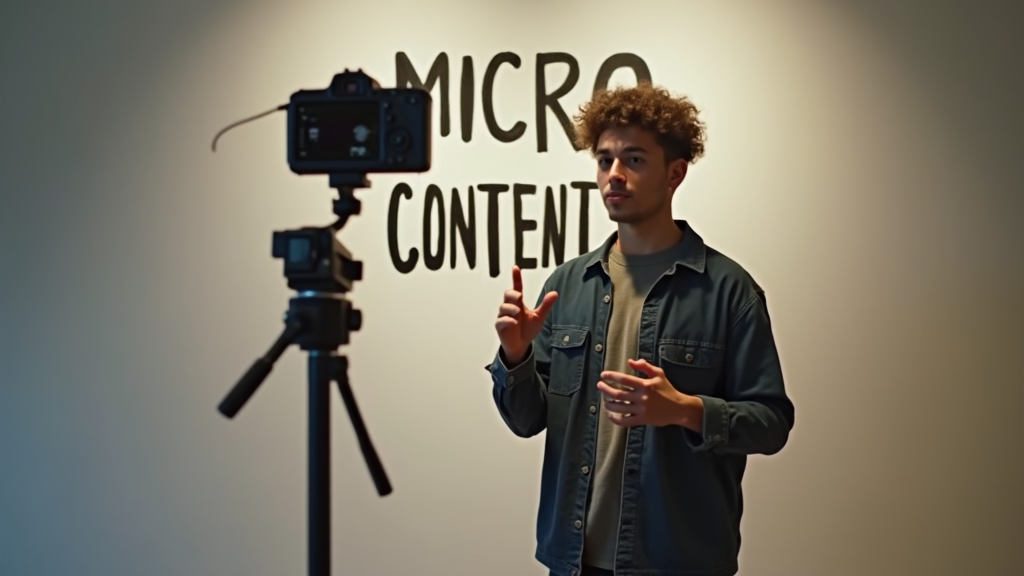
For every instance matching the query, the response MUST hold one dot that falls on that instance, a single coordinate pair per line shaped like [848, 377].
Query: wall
[862, 164]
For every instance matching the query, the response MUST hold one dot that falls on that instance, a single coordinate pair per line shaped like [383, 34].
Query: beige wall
[863, 165]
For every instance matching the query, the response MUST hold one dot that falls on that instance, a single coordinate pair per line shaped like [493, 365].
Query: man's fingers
[505, 323]
[623, 379]
[623, 409]
[517, 279]
[646, 367]
[514, 297]
[615, 393]
[547, 304]
[507, 309]
[624, 420]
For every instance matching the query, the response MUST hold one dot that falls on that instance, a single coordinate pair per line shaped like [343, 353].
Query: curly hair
[674, 120]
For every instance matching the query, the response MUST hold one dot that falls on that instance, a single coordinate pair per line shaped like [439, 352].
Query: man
[649, 362]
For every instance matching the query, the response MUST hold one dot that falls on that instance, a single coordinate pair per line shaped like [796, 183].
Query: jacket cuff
[716, 426]
[507, 377]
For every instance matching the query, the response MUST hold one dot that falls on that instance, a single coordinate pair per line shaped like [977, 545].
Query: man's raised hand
[517, 325]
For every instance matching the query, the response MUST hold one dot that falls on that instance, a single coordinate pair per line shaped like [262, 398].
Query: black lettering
[554, 230]
[466, 101]
[467, 232]
[401, 190]
[522, 225]
[584, 188]
[545, 100]
[488, 99]
[617, 61]
[493, 253]
[433, 260]
[406, 76]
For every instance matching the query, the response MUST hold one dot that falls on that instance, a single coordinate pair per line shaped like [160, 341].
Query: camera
[356, 127]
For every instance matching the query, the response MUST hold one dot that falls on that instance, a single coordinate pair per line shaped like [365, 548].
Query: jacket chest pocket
[692, 367]
[568, 359]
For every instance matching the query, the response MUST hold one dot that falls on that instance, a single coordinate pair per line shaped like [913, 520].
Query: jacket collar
[691, 252]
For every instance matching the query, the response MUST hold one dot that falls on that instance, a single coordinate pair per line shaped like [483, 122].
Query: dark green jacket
[706, 324]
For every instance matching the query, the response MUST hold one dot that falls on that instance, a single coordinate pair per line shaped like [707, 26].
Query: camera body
[356, 127]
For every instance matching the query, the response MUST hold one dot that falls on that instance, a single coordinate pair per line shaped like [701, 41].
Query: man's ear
[677, 173]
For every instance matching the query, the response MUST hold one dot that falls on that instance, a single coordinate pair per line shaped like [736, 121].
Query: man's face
[636, 184]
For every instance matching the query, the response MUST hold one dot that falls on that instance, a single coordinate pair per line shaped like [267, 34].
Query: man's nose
[617, 172]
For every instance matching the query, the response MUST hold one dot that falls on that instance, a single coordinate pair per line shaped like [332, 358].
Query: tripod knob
[353, 270]
[355, 320]
[347, 205]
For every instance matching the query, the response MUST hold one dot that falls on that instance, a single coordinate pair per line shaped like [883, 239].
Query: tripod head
[314, 259]
[317, 264]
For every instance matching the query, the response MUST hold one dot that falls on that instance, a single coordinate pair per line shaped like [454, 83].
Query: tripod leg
[380, 478]
[320, 368]
[260, 369]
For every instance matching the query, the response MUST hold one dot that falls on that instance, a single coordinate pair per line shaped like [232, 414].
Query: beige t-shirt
[632, 279]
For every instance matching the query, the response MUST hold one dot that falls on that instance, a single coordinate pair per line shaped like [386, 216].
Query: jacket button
[578, 524]
[598, 347]
[586, 469]
[689, 357]
[566, 339]
[607, 298]
[593, 409]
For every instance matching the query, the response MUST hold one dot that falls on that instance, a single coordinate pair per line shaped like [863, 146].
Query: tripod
[319, 320]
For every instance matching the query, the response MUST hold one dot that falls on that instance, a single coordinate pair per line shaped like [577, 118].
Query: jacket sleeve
[520, 392]
[755, 416]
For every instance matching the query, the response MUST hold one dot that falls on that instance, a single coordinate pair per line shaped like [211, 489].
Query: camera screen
[345, 130]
